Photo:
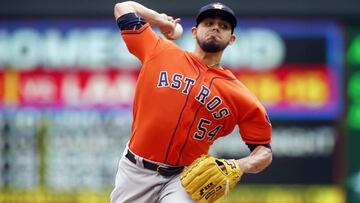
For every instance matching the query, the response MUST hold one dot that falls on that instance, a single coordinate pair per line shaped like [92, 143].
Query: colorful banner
[295, 67]
[286, 92]
[74, 89]
[295, 91]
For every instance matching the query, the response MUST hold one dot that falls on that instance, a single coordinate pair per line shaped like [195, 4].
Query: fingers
[167, 25]
[174, 21]
[177, 20]
[170, 18]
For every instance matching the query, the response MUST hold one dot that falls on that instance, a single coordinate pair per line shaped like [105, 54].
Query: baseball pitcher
[183, 102]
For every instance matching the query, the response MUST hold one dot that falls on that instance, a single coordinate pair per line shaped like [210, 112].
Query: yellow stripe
[11, 87]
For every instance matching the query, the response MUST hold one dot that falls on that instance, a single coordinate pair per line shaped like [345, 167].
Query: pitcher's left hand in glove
[207, 178]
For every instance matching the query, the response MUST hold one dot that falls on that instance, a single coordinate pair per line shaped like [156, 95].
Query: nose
[215, 27]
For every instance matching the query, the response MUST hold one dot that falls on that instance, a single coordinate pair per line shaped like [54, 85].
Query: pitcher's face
[213, 34]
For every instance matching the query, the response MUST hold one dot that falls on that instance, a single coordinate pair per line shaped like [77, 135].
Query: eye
[208, 23]
[224, 26]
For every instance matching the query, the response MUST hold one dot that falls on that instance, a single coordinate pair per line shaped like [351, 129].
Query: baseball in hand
[177, 32]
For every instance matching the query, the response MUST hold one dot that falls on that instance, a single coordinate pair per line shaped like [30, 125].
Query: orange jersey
[181, 106]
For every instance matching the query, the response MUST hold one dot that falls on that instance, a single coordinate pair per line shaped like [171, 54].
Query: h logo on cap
[218, 6]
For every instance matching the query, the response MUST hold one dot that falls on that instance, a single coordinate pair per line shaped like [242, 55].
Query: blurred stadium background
[67, 80]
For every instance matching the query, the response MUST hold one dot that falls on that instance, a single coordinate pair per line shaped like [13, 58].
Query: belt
[165, 171]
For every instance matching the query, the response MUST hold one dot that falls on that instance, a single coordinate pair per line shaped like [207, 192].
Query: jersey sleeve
[255, 127]
[138, 36]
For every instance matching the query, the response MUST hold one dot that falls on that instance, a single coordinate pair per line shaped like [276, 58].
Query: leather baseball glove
[207, 178]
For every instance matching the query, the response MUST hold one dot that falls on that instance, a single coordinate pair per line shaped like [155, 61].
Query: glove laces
[227, 189]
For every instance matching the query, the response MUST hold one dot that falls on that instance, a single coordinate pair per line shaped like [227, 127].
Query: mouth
[214, 36]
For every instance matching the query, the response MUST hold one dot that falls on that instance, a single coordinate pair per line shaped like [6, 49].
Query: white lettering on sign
[255, 48]
[100, 48]
[294, 141]
[27, 48]
[99, 89]
[258, 49]
[39, 89]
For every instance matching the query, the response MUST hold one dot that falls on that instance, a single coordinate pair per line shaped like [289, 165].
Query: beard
[211, 45]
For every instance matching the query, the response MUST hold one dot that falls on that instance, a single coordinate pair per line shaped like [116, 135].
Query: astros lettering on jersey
[181, 106]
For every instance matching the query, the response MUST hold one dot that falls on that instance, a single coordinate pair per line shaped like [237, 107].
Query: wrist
[243, 166]
[160, 20]
[154, 18]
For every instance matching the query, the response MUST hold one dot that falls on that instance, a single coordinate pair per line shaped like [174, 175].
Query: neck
[210, 59]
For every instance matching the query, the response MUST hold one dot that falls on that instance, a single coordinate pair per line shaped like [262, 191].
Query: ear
[194, 31]
[232, 39]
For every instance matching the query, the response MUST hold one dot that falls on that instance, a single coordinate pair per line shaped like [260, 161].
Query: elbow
[117, 9]
[121, 5]
[122, 8]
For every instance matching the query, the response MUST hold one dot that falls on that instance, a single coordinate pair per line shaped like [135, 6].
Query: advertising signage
[294, 67]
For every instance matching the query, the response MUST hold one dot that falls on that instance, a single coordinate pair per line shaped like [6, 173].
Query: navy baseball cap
[217, 9]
